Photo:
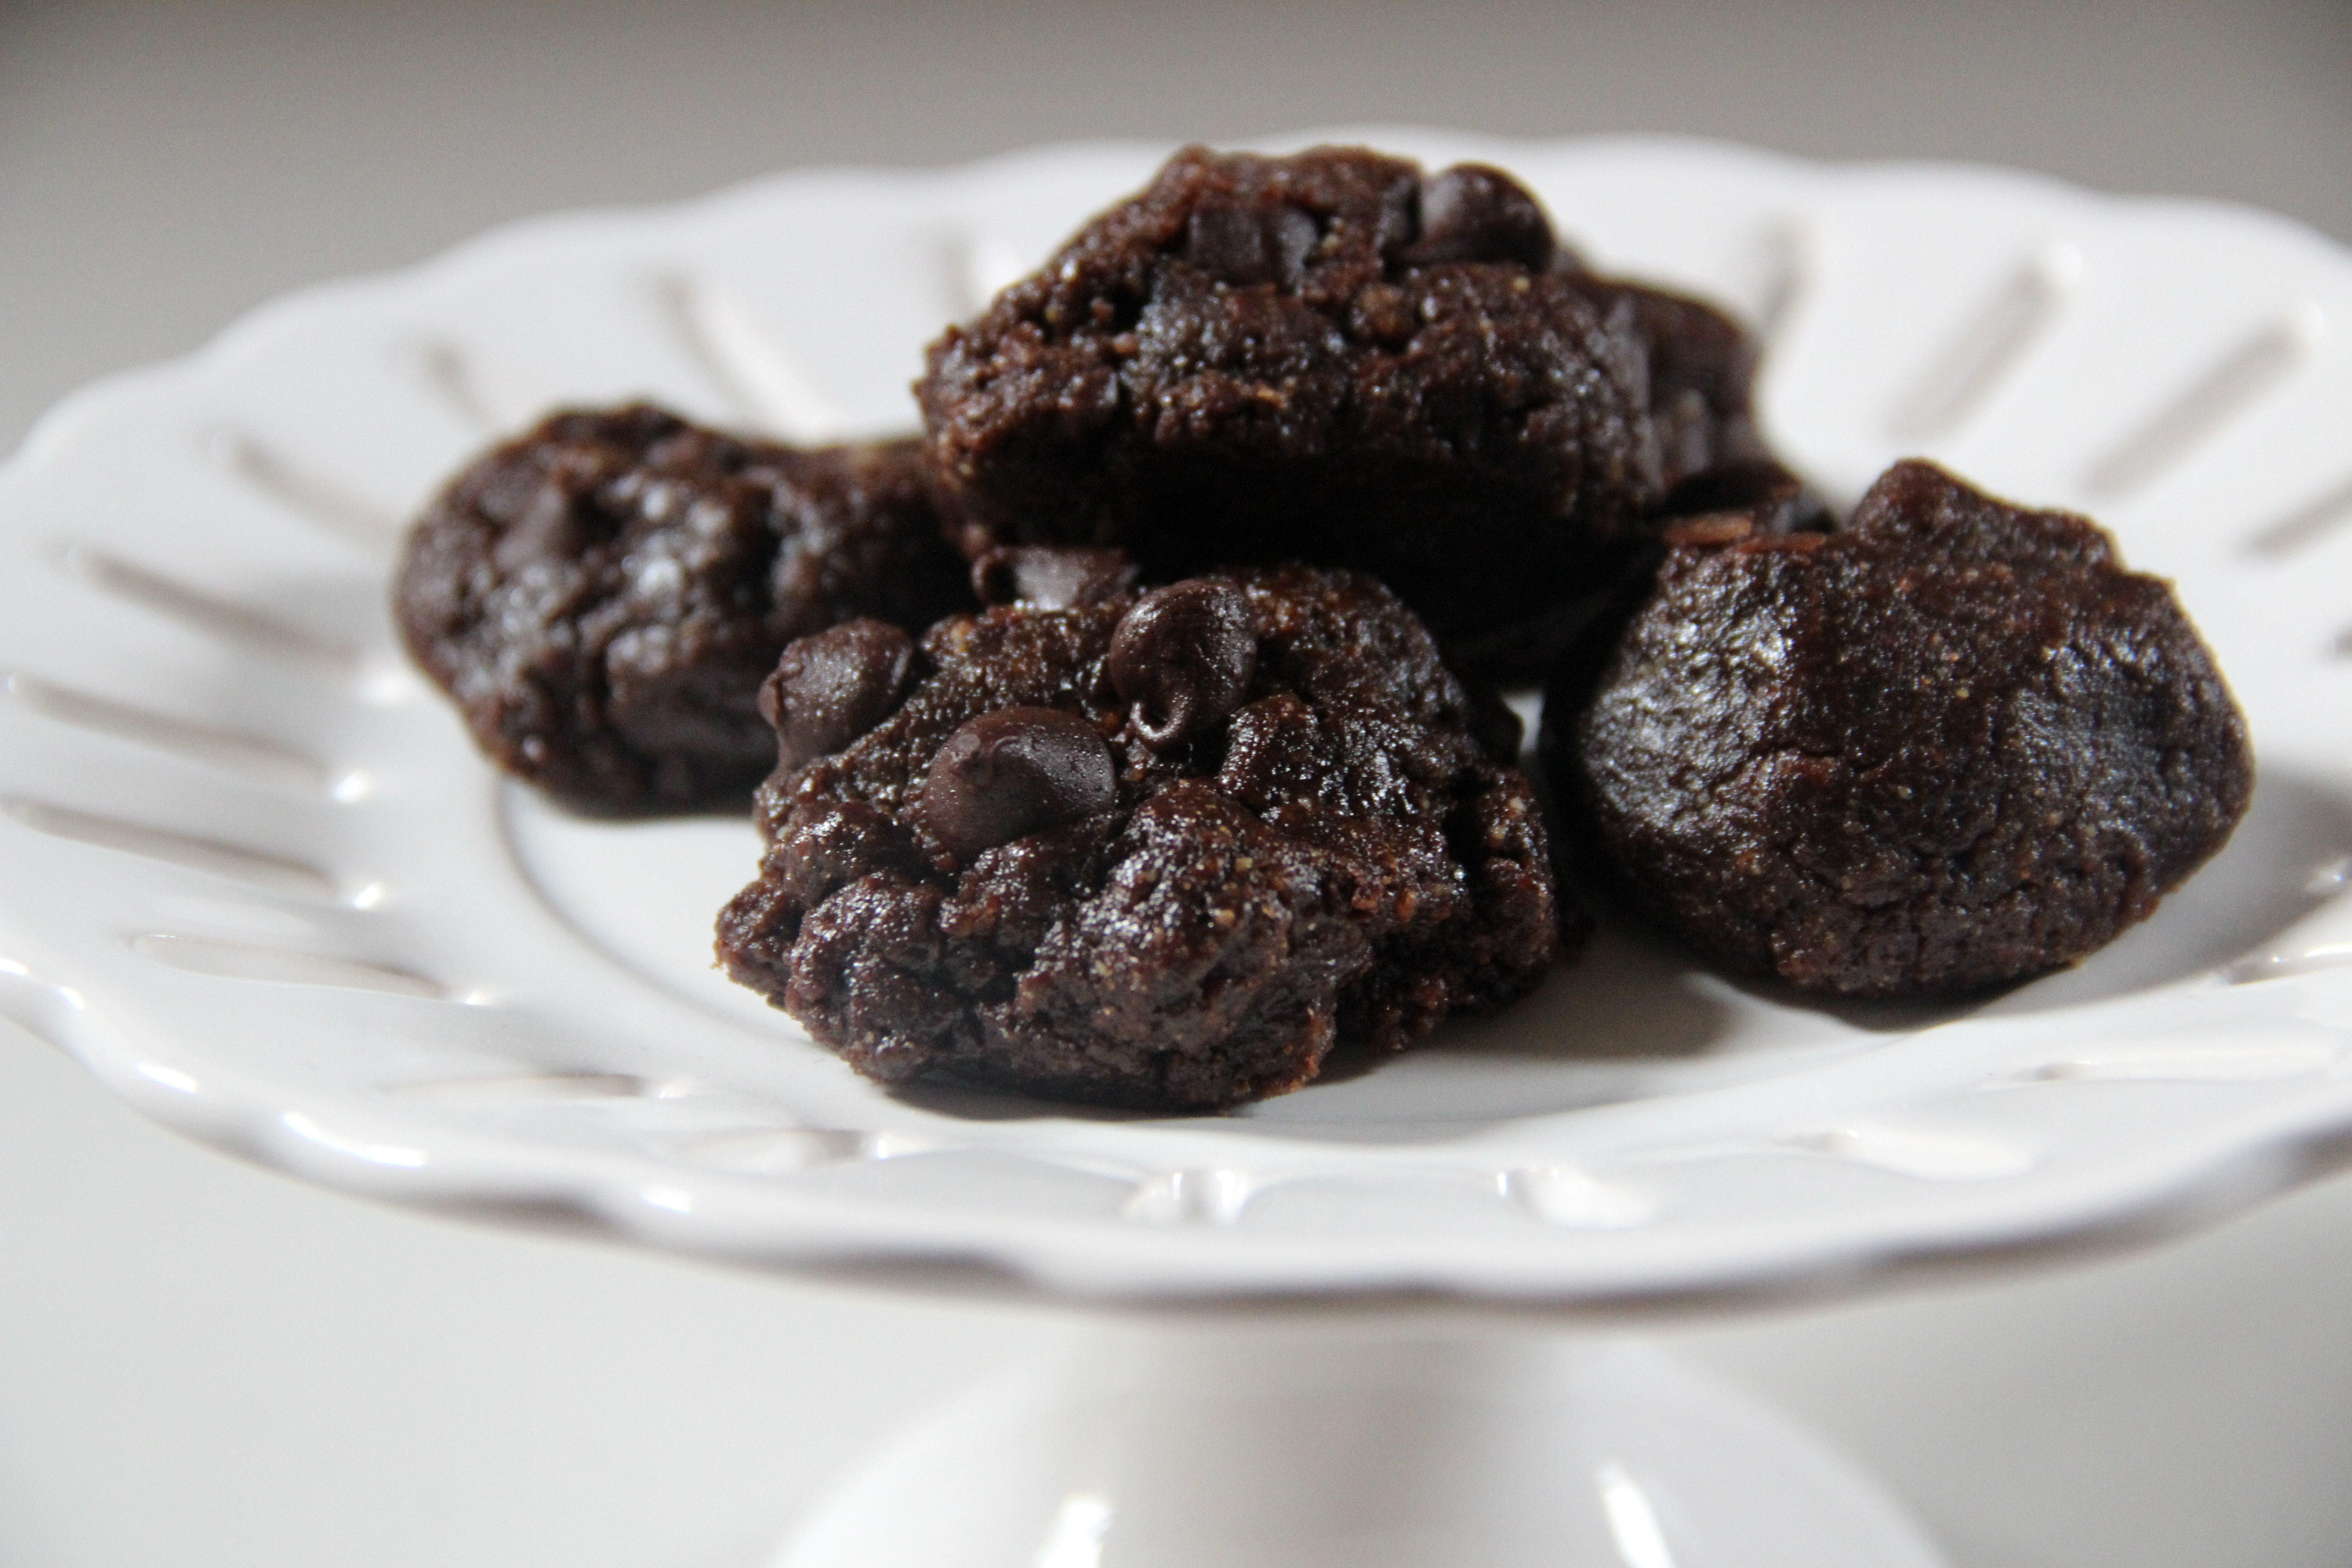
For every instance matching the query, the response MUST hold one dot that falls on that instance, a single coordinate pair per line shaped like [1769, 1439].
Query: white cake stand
[252, 873]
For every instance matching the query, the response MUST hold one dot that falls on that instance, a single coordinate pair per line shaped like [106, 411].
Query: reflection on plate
[252, 872]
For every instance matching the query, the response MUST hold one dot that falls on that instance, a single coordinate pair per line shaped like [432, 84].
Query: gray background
[203, 1364]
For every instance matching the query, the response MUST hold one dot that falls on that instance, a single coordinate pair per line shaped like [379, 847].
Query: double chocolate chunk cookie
[1333, 357]
[1951, 746]
[1160, 850]
[602, 596]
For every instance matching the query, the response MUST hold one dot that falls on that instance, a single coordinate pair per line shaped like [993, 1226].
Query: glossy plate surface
[252, 872]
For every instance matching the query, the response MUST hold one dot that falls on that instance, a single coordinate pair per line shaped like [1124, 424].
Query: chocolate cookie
[1702, 375]
[1333, 357]
[1162, 851]
[1951, 746]
[603, 595]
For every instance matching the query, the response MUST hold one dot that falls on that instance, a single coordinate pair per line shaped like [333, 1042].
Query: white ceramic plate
[252, 872]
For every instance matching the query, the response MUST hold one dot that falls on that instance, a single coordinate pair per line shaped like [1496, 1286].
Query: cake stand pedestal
[1325, 1443]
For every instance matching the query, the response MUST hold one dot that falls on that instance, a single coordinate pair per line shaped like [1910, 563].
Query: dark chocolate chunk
[1244, 245]
[1014, 772]
[1006, 882]
[831, 687]
[1702, 370]
[602, 596]
[1474, 213]
[1183, 657]
[1952, 747]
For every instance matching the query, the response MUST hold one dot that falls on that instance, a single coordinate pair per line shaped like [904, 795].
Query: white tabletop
[204, 1364]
